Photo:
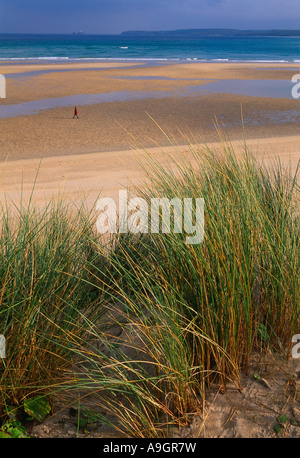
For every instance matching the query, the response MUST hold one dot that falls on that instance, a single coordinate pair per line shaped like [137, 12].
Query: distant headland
[215, 33]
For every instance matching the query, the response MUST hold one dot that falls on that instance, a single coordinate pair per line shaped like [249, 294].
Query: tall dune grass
[45, 258]
[143, 328]
[195, 313]
[243, 280]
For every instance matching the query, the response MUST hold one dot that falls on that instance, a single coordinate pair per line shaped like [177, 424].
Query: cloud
[115, 16]
[214, 2]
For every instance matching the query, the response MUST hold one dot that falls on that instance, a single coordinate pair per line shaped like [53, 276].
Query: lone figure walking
[75, 113]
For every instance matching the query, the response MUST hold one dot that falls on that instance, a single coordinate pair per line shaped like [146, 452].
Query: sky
[116, 16]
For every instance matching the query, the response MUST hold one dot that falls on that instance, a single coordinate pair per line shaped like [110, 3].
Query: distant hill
[214, 33]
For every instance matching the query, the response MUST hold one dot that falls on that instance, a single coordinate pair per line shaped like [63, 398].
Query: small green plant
[277, 429]
[282, 423]
[13, 429]
[37, 408]
[282, 419]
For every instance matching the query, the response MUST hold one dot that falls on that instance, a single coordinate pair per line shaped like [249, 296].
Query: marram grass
[45, 257]
[202, 310]
[145, 327]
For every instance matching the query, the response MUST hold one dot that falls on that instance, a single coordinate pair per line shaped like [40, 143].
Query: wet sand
[98, 150]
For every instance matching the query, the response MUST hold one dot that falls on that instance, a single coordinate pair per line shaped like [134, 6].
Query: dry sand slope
[75, 176]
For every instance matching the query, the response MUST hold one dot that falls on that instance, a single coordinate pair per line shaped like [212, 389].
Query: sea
[77, 47]
[149, 51]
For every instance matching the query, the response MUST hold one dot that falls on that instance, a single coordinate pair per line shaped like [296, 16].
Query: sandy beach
[158, 105]
[159, 339]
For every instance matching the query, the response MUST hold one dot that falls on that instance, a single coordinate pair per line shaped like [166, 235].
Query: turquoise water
[95, 47]
[152, 51]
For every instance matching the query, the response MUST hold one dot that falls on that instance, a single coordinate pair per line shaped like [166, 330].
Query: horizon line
[81, 33]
